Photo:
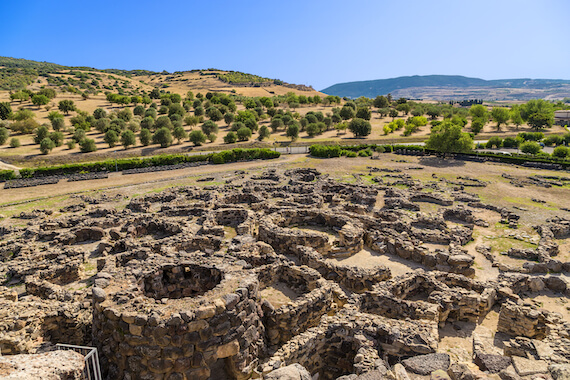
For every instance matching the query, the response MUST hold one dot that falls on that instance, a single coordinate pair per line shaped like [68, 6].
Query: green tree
[57, 138]
[209, 127]
[360, 127]
[500, 115]
[403, 107]
[145, 137]
[197, 137]
[87, 145]
[230, 138]
[23, 114]
[176, 109]
[40, 100]
[99, 113]
[229, 118]
[538, 113]
[4, 134]
[20, 95]
[163, 122]
[111, 137]
[179, 134]
[494, 142]
[244, 134]
[293, 132]
[393, 114]
[477, 125]
[346, 112]
[363, 113]
[66, 106]
[5, 110]
[212, 137]
[530, 147]
[163, 137]
[448, 137]
[79, 135]
[312, 129]
[264, 133]
[380, 102]
[128, 138]
[48, 92]
[41, 133]
[46, 145]
[139, 111]
[479, 111]
[433, 112]
[516, 117]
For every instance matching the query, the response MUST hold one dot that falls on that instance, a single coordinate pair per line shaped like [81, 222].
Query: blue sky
[311, 42]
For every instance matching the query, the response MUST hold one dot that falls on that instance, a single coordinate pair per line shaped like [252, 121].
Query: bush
[553, 140]
[560, 152]
[46, 145]
[530, 147]
[6, 175]
[111, 137]
[14, 142]
[510, 142]
[57, 138]
[212, 137]
[128, 138]
[71, 144]
[351, 154]
[209, 127]
[531, 136]
[197, 137]
[24, 126]
[87, 145]
[494, 142]
[230, 138]
[3, 135]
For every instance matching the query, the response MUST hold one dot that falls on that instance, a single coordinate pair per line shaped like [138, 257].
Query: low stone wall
[354, 278]
[315, 298]
[520, 320]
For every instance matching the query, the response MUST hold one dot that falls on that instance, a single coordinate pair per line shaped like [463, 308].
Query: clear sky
[311, 42]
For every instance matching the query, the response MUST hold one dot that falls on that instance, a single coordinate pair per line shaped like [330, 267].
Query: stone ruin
[245, 279]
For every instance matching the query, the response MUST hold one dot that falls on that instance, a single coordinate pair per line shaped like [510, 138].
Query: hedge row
[6, 175]
[327, 151]
[162, 160]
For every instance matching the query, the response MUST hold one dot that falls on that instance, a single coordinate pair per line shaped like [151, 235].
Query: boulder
[492, 363]
[560, 371]
[291, 372]
[426, 364]
[527, 367]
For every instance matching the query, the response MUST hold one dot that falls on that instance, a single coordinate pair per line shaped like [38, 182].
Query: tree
[163, 137]
[87, 145]
[99, 113]
[145, 137]
[20, 95]
[176, 109]
[500, 115]
[197, 137]
[111, 137]
[479, 111]
[477, 125]
[312, 129]
[40, 100]
[57, 138]
[393, 114]
[4, 134]
[530, 147]
[209, 127]
[139, 111]
[163, 122]
[128, 138]
[264, 133]
[433, 112]
[230, 138]
[494, 142]
[363, 113]
[41, 133]
[346, 112]
[23, 114]
[293, 132]
[66, 106]
[360, 127]
[229, 118]
[48, 92]
[244, 134]
[46, 145]
[79, 135]
[404, 107]
[212, 137]
[179, 134]
[516, 117]
[5, 110]
[448, 137]
[380, 102]
[538, 113]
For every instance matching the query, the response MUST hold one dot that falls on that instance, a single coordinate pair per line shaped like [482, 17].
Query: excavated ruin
[241, 280]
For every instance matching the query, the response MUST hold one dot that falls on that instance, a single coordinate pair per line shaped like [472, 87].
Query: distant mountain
[444, 87]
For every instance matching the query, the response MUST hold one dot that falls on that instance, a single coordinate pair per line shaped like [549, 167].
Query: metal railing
[92, 370]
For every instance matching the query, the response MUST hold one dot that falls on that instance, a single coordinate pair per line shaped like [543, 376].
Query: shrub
[553, 140]
[197, 137]
[46, 145]
[14, 142]
[24, 126]
[510, 142]
[71, 144]
[145, 137]
[351, 154]
[244, 134]
[212, 137]
[263, 133]
[87, 145]
[560, 152]
[57, 138]
[209, 127]
[230, 138]
[531, 136]
[111, 137]
[530, 147]
[3, 135]
[494, 142]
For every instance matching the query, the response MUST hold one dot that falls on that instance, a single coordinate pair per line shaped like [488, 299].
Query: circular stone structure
[178, 317]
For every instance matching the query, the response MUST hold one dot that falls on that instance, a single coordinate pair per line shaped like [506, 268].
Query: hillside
[453, 87]
[18, 73]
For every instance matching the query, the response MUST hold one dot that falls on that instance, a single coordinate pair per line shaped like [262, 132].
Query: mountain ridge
[454, 83]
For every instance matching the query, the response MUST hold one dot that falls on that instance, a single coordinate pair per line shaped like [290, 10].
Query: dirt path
[5, 166]
[118, 180]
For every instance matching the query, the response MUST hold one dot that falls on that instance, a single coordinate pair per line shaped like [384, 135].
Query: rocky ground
[359, 270]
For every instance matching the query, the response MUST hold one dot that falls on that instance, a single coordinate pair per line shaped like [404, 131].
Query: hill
[451, 87]
[18, 73]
